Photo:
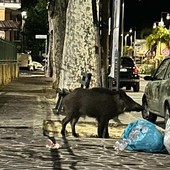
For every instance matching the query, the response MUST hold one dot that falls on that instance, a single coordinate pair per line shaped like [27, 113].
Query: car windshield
[162, 70]
[127, 62]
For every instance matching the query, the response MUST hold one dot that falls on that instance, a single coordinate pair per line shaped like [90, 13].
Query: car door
[156, 86]
[164, 92]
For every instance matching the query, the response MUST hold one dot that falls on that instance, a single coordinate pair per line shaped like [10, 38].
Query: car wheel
[146, 114]
[128, 87]
[167, 113]
[136, 87]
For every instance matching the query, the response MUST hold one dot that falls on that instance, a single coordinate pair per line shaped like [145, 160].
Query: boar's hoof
[63, 133]
[76, 135]
[106, 136]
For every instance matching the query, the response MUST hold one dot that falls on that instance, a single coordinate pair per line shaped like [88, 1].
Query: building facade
[10, 21]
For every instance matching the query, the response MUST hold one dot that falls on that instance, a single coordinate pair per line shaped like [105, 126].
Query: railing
[10, 1]
[8, 52]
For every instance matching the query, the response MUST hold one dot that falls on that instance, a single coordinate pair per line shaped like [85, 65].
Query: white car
[156, 97]
[37, 65]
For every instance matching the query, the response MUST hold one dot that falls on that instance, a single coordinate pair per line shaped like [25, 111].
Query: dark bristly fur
[100, 103]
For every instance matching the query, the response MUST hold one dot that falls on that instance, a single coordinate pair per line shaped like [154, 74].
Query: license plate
[123, 70]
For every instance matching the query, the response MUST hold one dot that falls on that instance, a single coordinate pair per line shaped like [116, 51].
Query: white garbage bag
[167, 136]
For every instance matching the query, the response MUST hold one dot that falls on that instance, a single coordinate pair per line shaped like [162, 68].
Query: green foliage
[159, 34]
[149, 65]
[146, 68]
[36, 24]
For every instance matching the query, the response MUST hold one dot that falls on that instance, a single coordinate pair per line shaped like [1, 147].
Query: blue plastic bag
[143, 135]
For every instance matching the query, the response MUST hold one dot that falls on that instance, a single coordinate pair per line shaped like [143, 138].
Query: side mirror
[148, 78]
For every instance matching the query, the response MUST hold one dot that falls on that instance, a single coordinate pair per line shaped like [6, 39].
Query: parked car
[24, 61]
[129, 76]
[37, 66]
[156, 97]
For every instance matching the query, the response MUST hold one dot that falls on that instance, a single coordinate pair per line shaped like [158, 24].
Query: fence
[10, 1]
[8, 62]
[8, 52]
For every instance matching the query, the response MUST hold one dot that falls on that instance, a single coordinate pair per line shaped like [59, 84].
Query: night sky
[143, 13]
[137, 13]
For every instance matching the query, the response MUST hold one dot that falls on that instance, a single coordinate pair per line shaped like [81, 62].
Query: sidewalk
[25, 104]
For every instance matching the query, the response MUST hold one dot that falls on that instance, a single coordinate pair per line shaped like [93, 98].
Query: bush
[146, 68]
[149, 65]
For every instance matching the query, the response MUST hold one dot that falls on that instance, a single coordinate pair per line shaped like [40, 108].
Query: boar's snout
[134, 107]
[137, 107]
[130, 104]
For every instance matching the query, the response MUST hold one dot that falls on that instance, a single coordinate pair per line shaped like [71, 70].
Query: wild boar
[100, 103]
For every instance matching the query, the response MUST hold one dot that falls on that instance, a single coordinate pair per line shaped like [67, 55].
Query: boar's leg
[73, 124]
[106, 132]
[67, 119]
[103, 128]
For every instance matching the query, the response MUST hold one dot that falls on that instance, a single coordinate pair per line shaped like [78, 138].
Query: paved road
[24, 105]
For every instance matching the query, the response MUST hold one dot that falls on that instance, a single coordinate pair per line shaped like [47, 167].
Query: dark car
[156, 97]
[129, 76]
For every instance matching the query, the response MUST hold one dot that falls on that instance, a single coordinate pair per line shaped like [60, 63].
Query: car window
[160, 73]
[167, 75]
[127, 62]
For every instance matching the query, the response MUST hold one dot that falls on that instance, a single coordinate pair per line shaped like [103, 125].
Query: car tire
[167, 113]
[136, 87]
[146, 114]
[128, 87]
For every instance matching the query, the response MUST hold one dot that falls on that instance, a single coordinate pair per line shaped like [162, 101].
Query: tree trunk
[79, 45]
[104, 41]
[57, 24]
[96, 25]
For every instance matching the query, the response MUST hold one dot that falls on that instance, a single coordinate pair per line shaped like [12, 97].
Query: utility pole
[115, 51]
[122, 27]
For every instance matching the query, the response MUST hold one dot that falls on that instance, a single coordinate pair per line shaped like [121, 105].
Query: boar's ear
[122, 93]
[114, 91]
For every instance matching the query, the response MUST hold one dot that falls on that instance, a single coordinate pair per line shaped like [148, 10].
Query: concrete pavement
[26, 103]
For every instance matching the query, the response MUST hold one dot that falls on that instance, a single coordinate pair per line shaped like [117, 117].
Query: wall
[8, 71]
[2, 13]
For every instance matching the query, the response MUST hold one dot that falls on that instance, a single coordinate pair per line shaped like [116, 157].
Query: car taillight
[135, 71]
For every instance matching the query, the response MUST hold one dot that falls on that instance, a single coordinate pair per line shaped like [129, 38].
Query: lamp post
[122, 27]
[126, 36]
[155, 24]
[133, 29]
[24, 17]
[161, 22]
[115, 55]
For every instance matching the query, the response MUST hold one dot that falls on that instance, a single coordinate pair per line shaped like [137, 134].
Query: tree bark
[96, 25]
[79, 46]
[72, 43]
[57, 25]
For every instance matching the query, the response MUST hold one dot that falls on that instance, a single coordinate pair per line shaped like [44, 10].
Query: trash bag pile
[142, 135]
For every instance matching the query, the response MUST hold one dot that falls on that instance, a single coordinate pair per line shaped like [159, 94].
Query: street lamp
[155, 24]
[24, 17]
[133, 29]
[161, 23]
[126, 36]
